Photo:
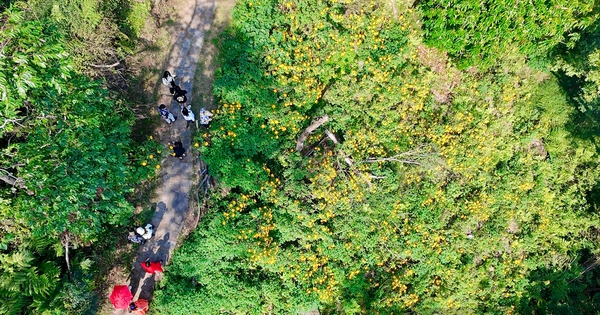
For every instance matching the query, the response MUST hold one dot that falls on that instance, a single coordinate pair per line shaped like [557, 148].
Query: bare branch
[331, 136]
[65, 240]
[334, 139]
[14, 181]
[423, 151]
[14, 121]
[394, 10]
[391, 159]
[106, 66]
[10, 179]
[316, 124]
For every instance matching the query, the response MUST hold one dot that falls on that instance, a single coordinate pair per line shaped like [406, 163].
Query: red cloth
[154, 267]
[141, 306]
[121, 296]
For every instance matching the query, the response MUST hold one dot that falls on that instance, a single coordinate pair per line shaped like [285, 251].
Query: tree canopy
[367, 173]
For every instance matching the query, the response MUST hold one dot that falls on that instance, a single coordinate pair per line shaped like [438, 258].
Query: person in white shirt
[188, 115]
[146, 232]
[168, 80]
[205, 117]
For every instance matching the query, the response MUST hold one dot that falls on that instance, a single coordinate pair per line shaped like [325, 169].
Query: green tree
[479, 32]
[67, 165]
[366, 173]
[578, 69]
[98, 33]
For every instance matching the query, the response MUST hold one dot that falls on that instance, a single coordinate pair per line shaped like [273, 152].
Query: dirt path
[173, 192]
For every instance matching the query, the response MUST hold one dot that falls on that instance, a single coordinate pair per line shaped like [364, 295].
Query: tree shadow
[141, 283]
[573, 290]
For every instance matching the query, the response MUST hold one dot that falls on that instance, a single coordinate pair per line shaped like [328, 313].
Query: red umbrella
[121, 296]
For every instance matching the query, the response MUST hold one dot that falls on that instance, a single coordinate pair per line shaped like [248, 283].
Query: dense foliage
[97, 31]
[478, 32]
[67, 164]
[424, 189]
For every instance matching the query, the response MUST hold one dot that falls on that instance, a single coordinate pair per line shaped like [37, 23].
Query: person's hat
[140, 230]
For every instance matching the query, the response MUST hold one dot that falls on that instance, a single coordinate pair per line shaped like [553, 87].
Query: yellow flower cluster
[235, 208]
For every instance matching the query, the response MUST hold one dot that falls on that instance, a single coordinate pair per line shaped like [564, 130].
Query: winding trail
[173, 193]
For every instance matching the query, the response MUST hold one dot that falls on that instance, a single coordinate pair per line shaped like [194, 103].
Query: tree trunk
[14, 181]
[65, 240]
[308, 130]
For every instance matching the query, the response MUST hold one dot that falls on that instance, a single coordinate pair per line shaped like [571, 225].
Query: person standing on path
[146, 232]
[138, 307]
[180, 97]
[205, 117]
[188, 115]
[165, 114]
[178, 149]
[168, 80]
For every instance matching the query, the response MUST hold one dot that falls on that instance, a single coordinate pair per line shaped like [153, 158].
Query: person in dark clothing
[180, 97]
[178, 150]
[168, 80]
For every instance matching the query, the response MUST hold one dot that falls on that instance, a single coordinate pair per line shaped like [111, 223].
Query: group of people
[141, 234]
[140, 306]
[179, 95]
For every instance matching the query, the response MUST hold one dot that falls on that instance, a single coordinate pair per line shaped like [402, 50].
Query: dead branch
[65, 240]
[394, 10]
[316, 124]
[423, 151]
[12, 180]
[106, 66]
[391, 159]
[310, 149]
[334, 139]
[331, 136]
[14, 121]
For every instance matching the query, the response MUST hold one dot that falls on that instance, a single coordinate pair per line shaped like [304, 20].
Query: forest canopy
[372, 157]
[370, 163]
